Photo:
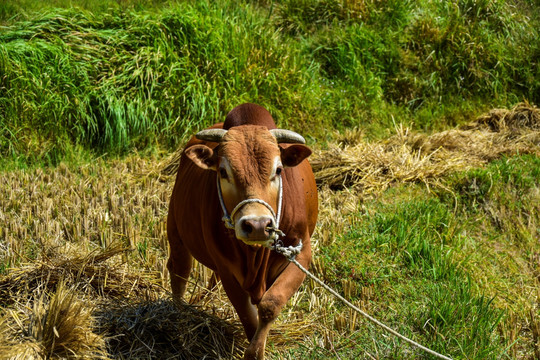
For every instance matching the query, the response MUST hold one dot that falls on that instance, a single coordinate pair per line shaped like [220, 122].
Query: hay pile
[56, 325]
[90, 307]
[522, 117]
[412, 157]
[94, 275]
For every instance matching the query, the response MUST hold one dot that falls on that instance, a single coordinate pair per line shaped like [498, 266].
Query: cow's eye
[279, 170]
[223, 173]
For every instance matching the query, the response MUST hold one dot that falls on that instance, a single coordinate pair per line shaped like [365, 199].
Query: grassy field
[429, 202]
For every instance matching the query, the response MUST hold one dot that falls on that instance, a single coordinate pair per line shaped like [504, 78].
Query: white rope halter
[229, 219]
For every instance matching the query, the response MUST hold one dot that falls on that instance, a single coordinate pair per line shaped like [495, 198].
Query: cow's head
[249, 163]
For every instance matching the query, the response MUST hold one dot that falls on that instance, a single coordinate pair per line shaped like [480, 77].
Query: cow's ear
[292, 155]
[202, 156]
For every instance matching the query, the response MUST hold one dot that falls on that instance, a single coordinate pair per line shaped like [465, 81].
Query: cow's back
[249, 114]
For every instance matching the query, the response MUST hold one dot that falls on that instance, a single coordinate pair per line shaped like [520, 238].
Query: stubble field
[428, 233]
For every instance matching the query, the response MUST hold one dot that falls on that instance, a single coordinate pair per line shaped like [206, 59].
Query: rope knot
[290, 252]
[228, 222]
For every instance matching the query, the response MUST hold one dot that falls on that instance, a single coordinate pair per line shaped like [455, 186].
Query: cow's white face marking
[225, 172]
[276, 170]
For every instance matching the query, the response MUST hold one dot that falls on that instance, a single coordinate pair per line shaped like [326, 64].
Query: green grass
[506, 193]
[406, 250]
[112, 82]
[114, 76]
[449, 270]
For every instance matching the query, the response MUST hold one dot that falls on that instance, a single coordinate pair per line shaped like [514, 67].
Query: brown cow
[241, 159]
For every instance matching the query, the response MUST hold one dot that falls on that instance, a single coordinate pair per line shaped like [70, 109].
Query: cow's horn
[214, 135]
[287, 136]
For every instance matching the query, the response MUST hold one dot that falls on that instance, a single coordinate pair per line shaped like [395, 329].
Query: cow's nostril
[247, 227]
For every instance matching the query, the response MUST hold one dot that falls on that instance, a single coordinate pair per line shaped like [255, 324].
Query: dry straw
[55, 325]
[164, 330]
[90, 307]
[92, 274]
[413, 157]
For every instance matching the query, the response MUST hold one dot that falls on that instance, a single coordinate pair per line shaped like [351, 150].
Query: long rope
[291, 252]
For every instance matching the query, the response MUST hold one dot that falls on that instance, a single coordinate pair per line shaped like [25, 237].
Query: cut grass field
[454, 266]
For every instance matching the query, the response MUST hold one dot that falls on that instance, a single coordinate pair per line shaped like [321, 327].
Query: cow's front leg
[274, 299]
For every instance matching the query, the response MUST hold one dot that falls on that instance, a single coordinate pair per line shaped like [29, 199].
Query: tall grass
[125, 79]
[113, 76]
[425, 49]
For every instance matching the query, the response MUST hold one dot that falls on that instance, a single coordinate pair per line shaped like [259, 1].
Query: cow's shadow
[162, 329]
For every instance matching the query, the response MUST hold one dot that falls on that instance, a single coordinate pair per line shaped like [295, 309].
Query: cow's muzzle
[254, 229]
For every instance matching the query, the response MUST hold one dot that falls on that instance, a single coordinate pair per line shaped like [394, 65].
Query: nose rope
[228, 219]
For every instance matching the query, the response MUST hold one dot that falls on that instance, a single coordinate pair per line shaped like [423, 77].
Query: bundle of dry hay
[53, 325]
[93, 274]
[522, 117]
[412, 157]
[91, 307]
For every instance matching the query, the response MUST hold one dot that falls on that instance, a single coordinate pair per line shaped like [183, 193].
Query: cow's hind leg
[180, 262]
